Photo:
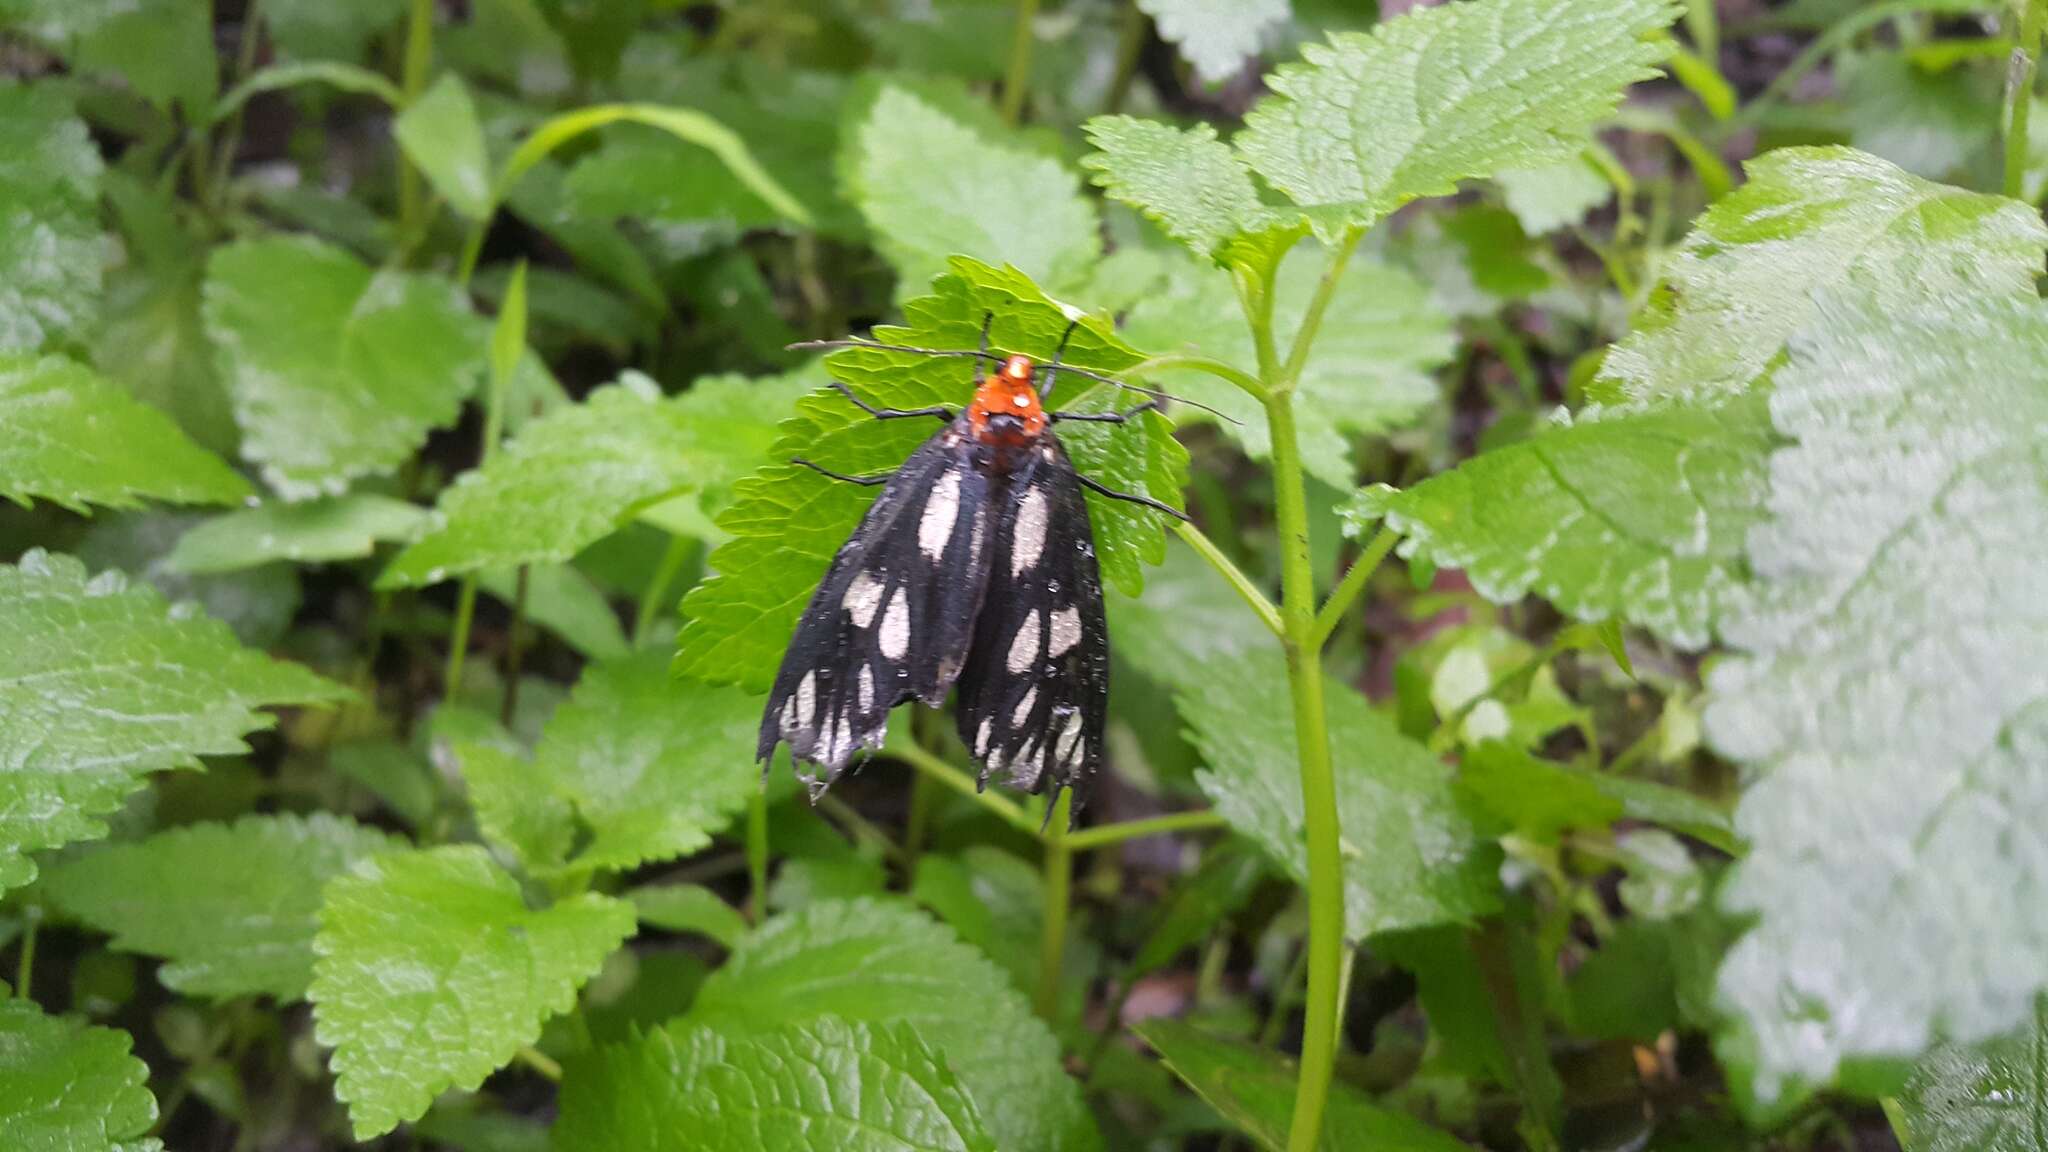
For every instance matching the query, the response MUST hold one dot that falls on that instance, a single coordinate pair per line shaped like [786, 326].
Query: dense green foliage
[1598, 700]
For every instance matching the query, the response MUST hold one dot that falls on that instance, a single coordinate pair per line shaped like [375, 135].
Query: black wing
[1034, 699]
[895, 613]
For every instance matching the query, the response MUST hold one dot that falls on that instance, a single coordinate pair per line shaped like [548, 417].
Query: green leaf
[1554, 196]
[1372, 121]
[315, 532]
[688, 908]
[1216, 36]
[337, 370]
[1531, 795]
[1188, 181]
[324, 29]
[1811, 219]
[258, 604]
[993, 899]
[68, 435]
[828, 1085]
[432, 972]
[163, 49]
[67, 1086]
[881, 962]
[166, 687]
[564, 601]
[930, 188]
[1640, 516]
[232, 907]
[1929, 123]
[654, 766]
[1886, 690]
[440, 135]
[1254, 1090]
[1986, 1097]
[1226, 879]
[1371, 368]
[1412, 855]
[787, 521]
[50, 245]
[398, 777]
[576, 474]
[516, 809]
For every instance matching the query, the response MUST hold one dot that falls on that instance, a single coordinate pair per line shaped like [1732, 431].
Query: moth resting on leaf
[975, 565]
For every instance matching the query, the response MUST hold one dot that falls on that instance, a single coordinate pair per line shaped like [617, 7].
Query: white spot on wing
[1029, 539]
[867, 690]
[1023, 711]
[980, 530]
[806, 700]
[789, 715]
[1066, 631]
[895, 638]
[863, 596]
[941, 508]
[1070, 739]
[1024, 648]
[981, 737]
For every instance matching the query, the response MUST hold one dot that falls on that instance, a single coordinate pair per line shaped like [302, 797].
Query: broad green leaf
[231, 907]
[1635, 515]
[66, 1087]
[827, 1085]
[257, 604]
[1254, 1090]
[398, 777]
[323, 29]
[337, 370]
[439, 133]
[1985, 1097]
[50, 245]
[787, 521]
[1412, 855]
[1465, 90]
[69, 436]
[564, 601]
[882, 962]
[1215, 35]
[432, 971]
[163, 49]
[993, 899]
[516, 810]
[1188, 181]
[1929, 123]
[688, 908]
[1553, 196]
[1887, 692]
[930, 188]
[315, 532]
[165, 687]
[1811, 219]
[575, 475]
[654, 765]
[1543, 798]
[1371, 368]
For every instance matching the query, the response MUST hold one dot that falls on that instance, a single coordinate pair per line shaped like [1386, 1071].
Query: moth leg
[869, 481]
[940, 411]
[1147, 501]
[1103, 417]
[987, 318]
[1052, 370]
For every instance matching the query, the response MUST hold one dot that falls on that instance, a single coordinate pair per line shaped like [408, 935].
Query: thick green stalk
[1017, 81]
[943, 773]
[1059, 878]
[419, 60]
[1347, 590]
[1207, 549]
[25, 964]
[1104, 835]
[2019, 94]
[678, 553]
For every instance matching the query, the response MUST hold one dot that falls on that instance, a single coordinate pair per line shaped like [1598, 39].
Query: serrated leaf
[231, 907]
[688, 908]
[564, 601]
[993, 899]
[69, 436]
[1187, 180]
[1887, 689]
[1412, 855]
[1465, 90]
[163, 49]
[1371, 369]
[165, 686]
[575, 475]
[654, 766]
[1255, 1091]
[315, 532]
[67, 1086]
[1553, 196]
[516, 809]
[440, 134]
[312, 29]
[50, 245]
[1808, 220]
[930, 188]
[337, 370]
[787, 521]
[1215, 35]
[257, 604]
[824, 1086]
[1638, 515]
[882, 962]
[432, 972]
[1986, 1097]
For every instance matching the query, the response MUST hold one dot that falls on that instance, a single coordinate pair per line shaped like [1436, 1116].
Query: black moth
[977, 565]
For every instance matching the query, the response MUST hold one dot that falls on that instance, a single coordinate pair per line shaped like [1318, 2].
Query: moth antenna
[857, 342]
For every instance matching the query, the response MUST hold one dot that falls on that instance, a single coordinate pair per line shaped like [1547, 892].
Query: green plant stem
[1214, 367]
[1268, 615]
[757, 855]
[1105, 835]
[944, 773]
[1353, 583]
[515, 646]
[1827, 44]
[1017, 80]
[917, 821]
[540, 1062]
[2019, 94]
[677, 554]
[859, 826]
[25, 965]
[419, 60]
[1130, 45]
[1312, 320]
[231, 136]
[458, 638]
[1058, 867]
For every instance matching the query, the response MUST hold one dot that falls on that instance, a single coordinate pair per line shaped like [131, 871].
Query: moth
[975, 566]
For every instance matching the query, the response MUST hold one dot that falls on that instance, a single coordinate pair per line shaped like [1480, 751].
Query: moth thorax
[1006, 410]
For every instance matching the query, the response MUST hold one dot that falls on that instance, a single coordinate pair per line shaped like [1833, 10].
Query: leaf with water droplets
[66, 1087]
[50, 245]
